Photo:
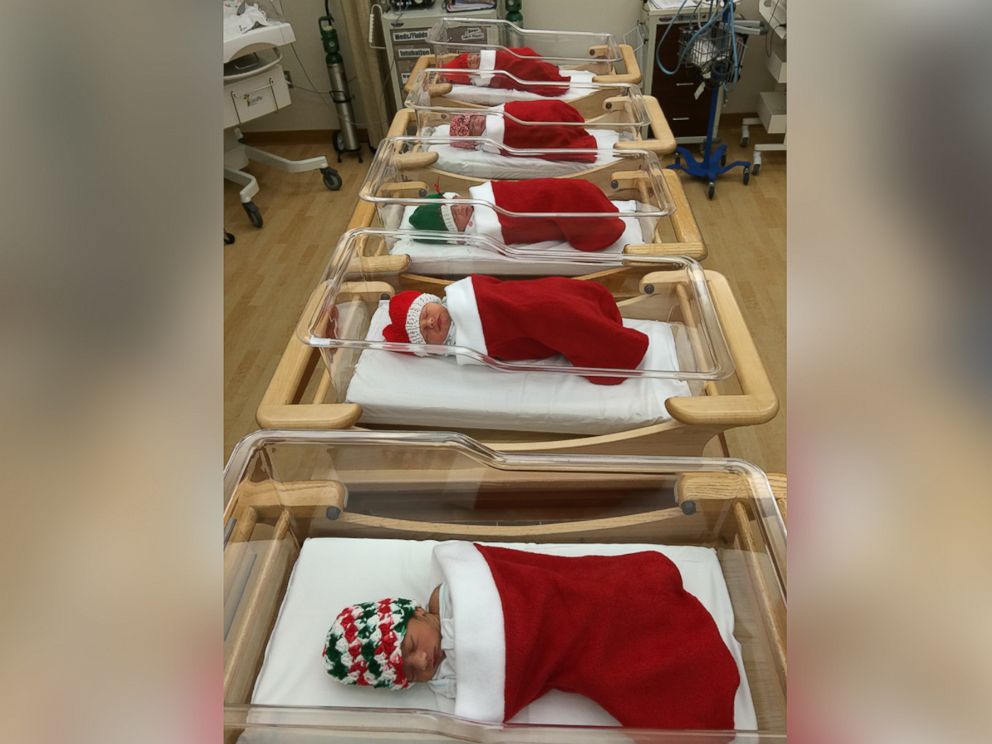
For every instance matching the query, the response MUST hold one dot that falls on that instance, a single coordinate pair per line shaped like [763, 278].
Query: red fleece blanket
[620, 630]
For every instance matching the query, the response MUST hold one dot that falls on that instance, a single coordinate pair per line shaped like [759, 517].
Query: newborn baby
[521, 320]
[537, 195]
[393, 643]
[513, 131]
[622, 630]
[521, 63]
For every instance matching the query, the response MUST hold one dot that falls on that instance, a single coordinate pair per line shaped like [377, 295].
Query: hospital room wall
[620, 16]
[313, 111]
[309, 110]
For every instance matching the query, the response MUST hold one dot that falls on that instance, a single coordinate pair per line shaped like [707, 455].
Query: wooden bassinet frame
[678, 234]
[269, 520]
[296, 395]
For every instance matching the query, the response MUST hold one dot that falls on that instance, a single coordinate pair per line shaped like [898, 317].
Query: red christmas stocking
[547, 135]
[620, 630]
[557, 195]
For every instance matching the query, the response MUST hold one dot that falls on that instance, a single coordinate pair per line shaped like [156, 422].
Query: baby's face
[462, 214]
[435, 322]
[421, 647]
[476, 125]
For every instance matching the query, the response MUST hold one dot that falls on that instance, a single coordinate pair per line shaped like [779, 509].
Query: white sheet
[486, 96]
[480, 163]
[442, 259]
[403, 390]
[333, 572]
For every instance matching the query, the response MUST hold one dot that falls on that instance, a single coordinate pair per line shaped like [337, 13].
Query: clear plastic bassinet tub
[406, 170]
[590, 95]
[317, 520]
[463, 386]
[616, 115]
[599, 53]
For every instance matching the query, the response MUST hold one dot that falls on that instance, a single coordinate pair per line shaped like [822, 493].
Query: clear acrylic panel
[350, 304]
[404, 171]
[597, 52]
[283, 488]
[620, 107]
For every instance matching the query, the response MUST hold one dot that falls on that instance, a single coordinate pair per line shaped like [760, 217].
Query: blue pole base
[708, 166]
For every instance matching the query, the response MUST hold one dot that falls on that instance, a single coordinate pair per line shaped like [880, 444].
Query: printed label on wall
[419, 35]
[412, 52]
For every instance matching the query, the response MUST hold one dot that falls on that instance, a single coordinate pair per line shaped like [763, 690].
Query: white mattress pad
[440, 259]
[405, 390]
[479, 163]
[331, 573]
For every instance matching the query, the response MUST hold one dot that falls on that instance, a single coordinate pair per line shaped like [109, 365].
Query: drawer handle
[680, 118]
[679, 85]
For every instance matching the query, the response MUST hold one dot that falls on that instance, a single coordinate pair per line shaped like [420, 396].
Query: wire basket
[712, 51]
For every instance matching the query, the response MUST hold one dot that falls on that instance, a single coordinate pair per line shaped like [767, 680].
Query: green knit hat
[435, 216]
[363, 644]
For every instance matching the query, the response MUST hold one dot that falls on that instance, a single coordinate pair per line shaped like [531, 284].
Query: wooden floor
[269, 273]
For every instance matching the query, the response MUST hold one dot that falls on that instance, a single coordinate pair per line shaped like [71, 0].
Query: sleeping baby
[520, 320]
[506, 626]
[392, 643]
[533, 196]
[542, 131]
[522, 63]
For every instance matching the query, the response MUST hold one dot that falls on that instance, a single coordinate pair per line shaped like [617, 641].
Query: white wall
[615, 17]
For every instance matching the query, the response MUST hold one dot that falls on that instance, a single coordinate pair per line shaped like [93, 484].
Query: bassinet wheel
[614, 185]
[333, 512]
[332, 179]
[744, 141]
[747, 175]
[253, 214]
[228, 238]
[648, 289]
[723, 160]
[688, 507]
[710, 190]
[756, 169]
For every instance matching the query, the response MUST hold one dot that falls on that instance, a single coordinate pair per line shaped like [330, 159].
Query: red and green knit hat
[363, 644]
[435, 216]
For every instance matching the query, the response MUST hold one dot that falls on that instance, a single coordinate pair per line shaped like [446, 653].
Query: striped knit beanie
[363, 644]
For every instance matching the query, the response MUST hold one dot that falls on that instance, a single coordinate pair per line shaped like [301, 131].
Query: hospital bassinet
[405, 170]
[350, 299]
[606, 107]
[305, 512]
[675, 234]
[675, 408]
[599, 53]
